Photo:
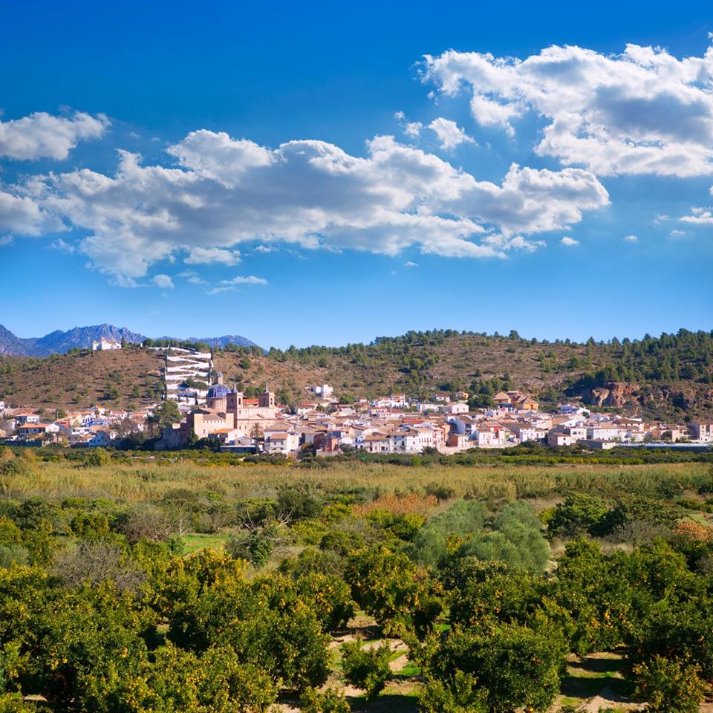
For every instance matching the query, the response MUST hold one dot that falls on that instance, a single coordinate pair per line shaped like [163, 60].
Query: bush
[366, 669]
[96, 458]
[440, 491]
[669, 686]
[578, 514]
[636, 510]
[90, 525]
[297, 503]
[514, 665]
[516, 539]
[94, 562]
[461, 520]
[329, 597]
[147, 524]
[454, 694]
[330, 701]
[254, 545]
[11, 555]
[394, 591]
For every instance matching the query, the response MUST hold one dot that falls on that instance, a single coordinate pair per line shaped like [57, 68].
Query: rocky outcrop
[653, 400]
[616, 394]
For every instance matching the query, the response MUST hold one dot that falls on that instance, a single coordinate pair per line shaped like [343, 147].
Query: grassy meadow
[145, 479]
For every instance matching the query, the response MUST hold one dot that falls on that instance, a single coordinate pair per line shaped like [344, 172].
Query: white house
[104, 345]
[26, 417]
[322, 391]
[606, 432]
[281, 442]
[560, 437]
[455, 408]
[490, 435]
[405, 440]
[526, 431]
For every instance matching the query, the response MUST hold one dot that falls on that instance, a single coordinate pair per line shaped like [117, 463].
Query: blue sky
[314, 172]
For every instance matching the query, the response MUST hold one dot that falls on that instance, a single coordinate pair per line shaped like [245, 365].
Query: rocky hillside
[668, 377]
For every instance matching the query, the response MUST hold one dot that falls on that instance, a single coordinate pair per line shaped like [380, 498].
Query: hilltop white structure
[105, 345]
[322, 391]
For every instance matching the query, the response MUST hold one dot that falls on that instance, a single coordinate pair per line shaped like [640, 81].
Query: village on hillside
[207, 411]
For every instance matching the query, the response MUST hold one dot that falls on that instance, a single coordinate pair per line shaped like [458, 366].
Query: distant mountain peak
[60, 342]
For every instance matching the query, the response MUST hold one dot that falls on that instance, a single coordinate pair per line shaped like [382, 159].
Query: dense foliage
[104, 608]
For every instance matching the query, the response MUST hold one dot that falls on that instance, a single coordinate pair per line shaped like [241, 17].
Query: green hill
[670, 376]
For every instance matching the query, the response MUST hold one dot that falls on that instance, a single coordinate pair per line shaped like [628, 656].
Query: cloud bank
[222, 192]
[42, 135]
[639, 112]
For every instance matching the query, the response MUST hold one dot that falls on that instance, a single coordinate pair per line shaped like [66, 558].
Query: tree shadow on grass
[389, 703]
[591, 667]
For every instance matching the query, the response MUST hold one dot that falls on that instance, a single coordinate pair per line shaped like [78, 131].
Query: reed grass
[151, 481]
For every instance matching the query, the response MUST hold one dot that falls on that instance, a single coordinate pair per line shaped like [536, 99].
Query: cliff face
[614, 394]
[693, 399]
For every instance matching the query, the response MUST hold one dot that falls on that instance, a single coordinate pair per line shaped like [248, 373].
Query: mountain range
[59, 342]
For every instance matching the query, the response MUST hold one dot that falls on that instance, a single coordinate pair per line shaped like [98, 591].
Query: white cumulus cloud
[244, 280]
[449, 134]
[413, 129]
[206, 256]
[699, 216]
[643, 111]
[234, 282]
[631, 238]
[227, 192]
[22, 215]
[163, 281]
[569, 242]
[41, 135]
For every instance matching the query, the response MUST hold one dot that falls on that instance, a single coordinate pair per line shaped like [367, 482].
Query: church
[228, 414]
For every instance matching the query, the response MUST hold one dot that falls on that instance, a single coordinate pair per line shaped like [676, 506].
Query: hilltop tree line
[685, 355]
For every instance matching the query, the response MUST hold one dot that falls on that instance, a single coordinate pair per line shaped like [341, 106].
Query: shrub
[297, 503]
[579, 513]
[96, 458]
[366, 669]
[11, 555]
[94, 562]
[454, 694]
[329, 597]
[440, 491]
[461, 520]
[147, 524]
[516, 539]
[254, 545]
[669, 686]
[330, 701]
[515, 666]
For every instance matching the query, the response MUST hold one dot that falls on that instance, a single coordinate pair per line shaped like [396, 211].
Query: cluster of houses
[393, 424]
[94, 426]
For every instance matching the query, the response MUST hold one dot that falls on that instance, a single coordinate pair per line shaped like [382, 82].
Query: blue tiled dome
[218, 391]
